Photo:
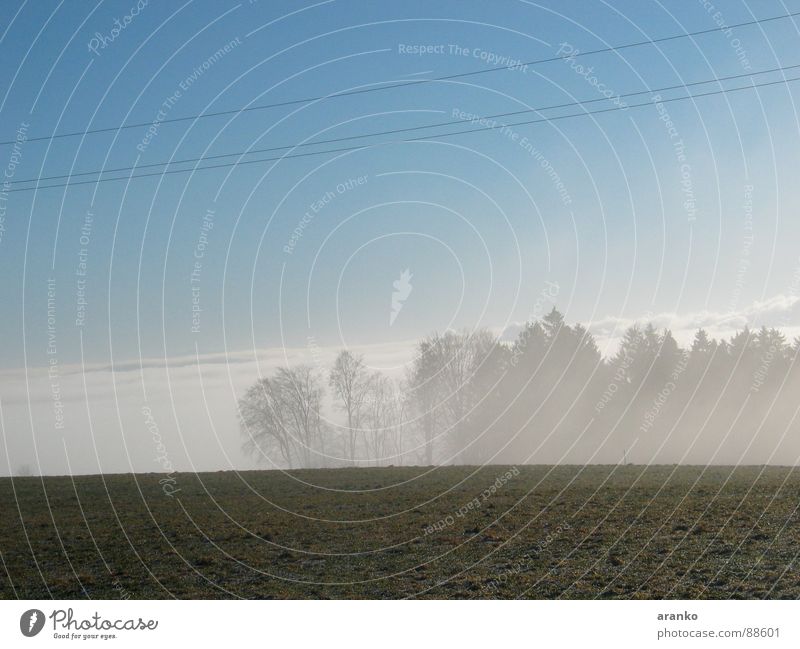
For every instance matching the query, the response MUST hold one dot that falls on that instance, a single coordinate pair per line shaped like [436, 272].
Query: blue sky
[477, 219]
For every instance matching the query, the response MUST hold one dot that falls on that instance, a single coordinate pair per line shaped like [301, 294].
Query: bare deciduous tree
[282, 414]
[443, 383]
[423, 398]
[382, 418]
[349, 381]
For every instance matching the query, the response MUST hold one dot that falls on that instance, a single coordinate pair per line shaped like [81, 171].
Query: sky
[680, 212]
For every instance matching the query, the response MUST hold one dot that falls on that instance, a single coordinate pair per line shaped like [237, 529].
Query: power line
[403, 130]
[417, 139]
[403, 84]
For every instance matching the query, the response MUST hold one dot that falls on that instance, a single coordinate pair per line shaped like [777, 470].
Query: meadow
[538, 532]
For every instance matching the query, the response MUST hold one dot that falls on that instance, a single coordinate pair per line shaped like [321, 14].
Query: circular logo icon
[31, 622]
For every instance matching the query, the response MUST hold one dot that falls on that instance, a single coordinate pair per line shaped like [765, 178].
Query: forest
[549, 397]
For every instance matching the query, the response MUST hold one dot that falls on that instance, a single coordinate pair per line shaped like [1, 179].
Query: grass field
[454, 532]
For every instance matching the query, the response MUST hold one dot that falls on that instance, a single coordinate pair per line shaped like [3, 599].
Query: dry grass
[629, 532]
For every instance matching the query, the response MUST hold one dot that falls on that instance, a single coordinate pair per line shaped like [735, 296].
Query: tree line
[548, 397]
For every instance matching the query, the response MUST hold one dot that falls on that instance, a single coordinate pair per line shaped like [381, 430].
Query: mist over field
[539, 394]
